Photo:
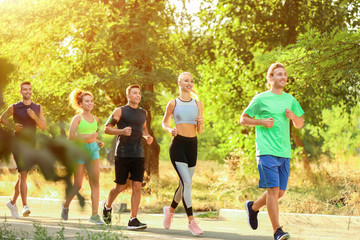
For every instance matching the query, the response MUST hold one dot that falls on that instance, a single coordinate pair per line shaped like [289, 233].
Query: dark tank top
[131, 146]
[21, 116]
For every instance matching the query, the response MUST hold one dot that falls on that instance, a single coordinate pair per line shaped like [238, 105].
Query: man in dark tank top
[130, 121]
[26, 117]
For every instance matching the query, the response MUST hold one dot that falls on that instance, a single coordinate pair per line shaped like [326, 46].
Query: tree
[238, 31]
[101, 46]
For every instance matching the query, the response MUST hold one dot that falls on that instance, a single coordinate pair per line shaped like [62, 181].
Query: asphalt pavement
[231, 224]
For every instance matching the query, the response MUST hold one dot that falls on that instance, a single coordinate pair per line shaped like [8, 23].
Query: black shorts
[126, 165]
[184, 149]
[20, 150]
[19, 160]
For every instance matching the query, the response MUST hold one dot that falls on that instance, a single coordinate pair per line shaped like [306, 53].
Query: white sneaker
[13, 209]
[26, 211]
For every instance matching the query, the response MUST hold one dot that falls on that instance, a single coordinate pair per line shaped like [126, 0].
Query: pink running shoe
[194, 228]
[167, 217]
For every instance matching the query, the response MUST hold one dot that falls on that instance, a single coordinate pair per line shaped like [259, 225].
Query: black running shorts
[126, 165]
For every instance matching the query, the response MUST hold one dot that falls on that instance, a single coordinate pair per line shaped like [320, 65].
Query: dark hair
[131, 87]
[24, 83]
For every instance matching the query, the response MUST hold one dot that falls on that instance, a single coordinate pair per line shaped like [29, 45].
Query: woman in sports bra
[188, 118]
[83, 129]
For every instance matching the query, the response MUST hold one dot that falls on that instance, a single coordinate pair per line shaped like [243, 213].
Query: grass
[333, 189]
[41, 233]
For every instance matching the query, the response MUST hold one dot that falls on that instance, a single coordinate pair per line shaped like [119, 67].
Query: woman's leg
[78, 179]
[94, 175]
[185, 174]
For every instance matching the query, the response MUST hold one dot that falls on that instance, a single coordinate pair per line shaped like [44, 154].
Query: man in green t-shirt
[270, 113]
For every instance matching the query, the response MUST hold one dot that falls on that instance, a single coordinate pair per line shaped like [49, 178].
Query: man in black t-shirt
[130, 121]
[27, 116]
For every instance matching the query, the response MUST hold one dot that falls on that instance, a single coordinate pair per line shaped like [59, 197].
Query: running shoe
[26, 211]
[13, 209]
[135, 224]
[96, 219]
[281, 235]
[64, 212]
[194, 228]
[106, 213]
[252, 215]
[167, 217]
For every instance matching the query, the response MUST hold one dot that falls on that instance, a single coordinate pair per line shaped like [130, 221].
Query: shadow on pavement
[206, 235]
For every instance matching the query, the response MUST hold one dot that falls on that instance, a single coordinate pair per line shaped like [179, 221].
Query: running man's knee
[273, 192]
[119, 188]
[281, 194]
[136, 187]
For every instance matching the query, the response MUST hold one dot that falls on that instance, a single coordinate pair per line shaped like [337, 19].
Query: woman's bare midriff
[186, 129]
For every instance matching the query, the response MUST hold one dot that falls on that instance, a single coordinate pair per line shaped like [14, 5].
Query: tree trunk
[292, 11]
[152, 151]
[299, 143]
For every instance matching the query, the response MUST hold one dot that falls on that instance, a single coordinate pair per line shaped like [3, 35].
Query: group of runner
[269, 111]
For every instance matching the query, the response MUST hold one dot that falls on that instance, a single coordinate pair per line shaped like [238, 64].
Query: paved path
[231, 225]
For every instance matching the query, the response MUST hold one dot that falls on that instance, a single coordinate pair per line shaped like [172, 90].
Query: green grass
[208, 215]
[41, 233]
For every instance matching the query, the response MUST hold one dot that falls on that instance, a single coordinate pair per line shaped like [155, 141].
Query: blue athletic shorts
[92, 149]
[274, 171]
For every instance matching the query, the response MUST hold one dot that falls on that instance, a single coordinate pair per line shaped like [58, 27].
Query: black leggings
[183, 154]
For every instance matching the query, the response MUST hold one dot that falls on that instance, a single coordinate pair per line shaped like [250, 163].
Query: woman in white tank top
[188, 117]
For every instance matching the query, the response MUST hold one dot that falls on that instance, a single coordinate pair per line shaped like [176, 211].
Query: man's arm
[298, 122]
[246, 120]
[110, 126]
[40, 120]
[146, 135]
[4, 118]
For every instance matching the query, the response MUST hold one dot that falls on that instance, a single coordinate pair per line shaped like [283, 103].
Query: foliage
[339, 131]
[236, 34]
[41, 232]
[9, 234]
[112, 45]
[208, 215]
[324, 70]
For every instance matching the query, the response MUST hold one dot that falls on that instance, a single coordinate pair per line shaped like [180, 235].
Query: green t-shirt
[276, 140]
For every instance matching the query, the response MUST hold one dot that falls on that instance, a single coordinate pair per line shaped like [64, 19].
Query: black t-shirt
[21, 116]
[131, 146]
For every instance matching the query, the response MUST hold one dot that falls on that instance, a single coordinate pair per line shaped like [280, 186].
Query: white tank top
[185, 111]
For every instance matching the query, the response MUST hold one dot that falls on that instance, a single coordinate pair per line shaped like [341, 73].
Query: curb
[56, 203]
[313, 220]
